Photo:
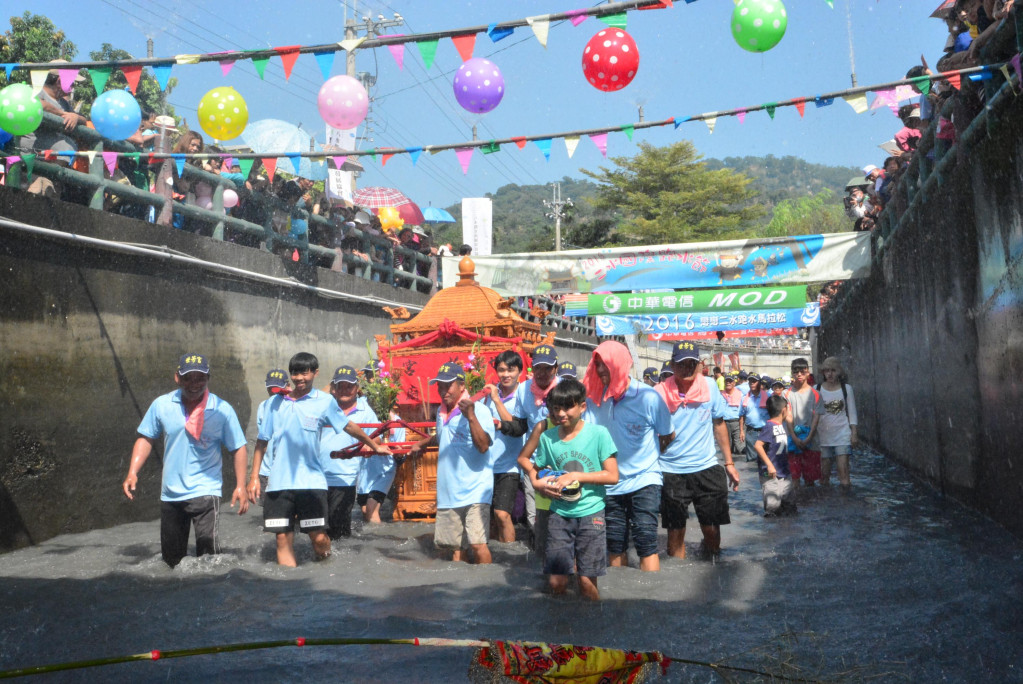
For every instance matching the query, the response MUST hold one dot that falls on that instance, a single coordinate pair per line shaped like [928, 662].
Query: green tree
[32, 38]
[807, 216]
[667, 194]
[148, 92]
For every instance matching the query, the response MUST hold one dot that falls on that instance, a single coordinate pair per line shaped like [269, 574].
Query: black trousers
[201, 512]
[339, 511]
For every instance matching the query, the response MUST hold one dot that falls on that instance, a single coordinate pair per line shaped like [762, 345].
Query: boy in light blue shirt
[341, 473]
[504, 452]
[583, 456]
[194, 424]
[276, 383]
[297, 486]
[465, 480]
[753, 415]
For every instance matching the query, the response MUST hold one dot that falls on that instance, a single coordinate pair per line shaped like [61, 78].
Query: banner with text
[477, 226]
[761, 261]
[807, 317]
[691, 301]
[340, 184]
[713, 334]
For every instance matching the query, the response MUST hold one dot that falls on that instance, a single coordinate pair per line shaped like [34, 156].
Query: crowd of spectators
[946, 108]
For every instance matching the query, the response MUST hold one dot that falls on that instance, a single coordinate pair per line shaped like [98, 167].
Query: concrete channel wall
[89, 337]
[933, 339]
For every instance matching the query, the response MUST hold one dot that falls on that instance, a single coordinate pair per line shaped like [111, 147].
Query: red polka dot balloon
[610, 60]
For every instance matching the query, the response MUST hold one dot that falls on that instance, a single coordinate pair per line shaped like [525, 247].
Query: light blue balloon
[116, 115]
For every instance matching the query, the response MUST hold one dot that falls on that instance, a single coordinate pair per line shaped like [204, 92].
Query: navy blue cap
[191, 363]
[449, 372]
[650, 372]
[743, 375]
[666, 369]
[684, 350]
[777, 381]
[278, 377]
[766, 380]
[730, 378]
[567, 370]
[753, 377]
[544, 355]
[345, 374]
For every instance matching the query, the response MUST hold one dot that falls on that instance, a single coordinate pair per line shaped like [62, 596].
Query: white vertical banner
[340, 184]
[478, 224]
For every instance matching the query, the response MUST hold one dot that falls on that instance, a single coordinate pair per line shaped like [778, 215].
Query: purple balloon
[479, 85]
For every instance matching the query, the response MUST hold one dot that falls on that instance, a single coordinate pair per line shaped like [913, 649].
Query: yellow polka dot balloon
[223, 113]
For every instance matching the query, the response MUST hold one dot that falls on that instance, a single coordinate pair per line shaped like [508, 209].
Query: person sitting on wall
[194, 424]
[54, 101]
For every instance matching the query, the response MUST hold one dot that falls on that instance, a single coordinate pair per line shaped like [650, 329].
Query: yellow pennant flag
[711, 123]
[571, 143]
[350, 44]
[540, 25]
[187, 59]
[857, 102]
[38, 80]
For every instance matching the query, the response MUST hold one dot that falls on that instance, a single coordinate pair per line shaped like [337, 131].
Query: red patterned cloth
[528, 662]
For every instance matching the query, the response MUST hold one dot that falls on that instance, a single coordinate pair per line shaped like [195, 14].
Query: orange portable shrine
[467, 319]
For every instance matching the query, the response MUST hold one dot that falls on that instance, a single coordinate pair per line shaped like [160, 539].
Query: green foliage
[32, 38]
[808, 215]
[382, 391]
[782, 178]
[148, 93]
[667, 194]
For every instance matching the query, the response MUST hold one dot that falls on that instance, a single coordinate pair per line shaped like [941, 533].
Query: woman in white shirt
[835, 421]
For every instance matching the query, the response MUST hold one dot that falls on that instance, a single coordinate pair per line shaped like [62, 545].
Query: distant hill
[520, 224]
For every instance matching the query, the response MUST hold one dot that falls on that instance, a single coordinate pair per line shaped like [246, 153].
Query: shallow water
[888, 581]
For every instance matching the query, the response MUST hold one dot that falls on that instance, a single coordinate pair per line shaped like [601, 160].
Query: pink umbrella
[944, 9]
[376, 197]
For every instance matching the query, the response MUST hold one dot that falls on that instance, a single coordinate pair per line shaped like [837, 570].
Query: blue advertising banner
[654, 324]
[761, 261]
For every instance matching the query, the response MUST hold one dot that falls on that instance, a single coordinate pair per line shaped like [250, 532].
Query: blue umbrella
[277, 138]
[435, 215]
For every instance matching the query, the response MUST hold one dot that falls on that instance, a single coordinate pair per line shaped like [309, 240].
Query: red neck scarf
[196, 418]
[699, 392]
[618, 360]
[540, 395]
[733, 398]
[445, 415]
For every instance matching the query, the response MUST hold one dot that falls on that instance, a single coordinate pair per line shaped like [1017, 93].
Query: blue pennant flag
[823, 101]
[497, 34]
[179, 161]
[162, 74]
[8, 68]
[679, 121]
[295, 159]
[545, 147]
[413, 153]
[326, 62]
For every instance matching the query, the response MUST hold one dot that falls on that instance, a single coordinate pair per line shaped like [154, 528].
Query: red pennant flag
[464, 45]
[288, 56]
[294, 255]
[270, 164]
[800, 106]
[385, 157]
[132, 73]
[50, 155]
[954, 79]
[520, 141]
[664, 4]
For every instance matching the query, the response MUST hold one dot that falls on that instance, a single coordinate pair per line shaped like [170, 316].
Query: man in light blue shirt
[276, 383]
[297, 486]
[194, 425]
[691, 471]
[753, 415]
[341, 473]
[465, 479]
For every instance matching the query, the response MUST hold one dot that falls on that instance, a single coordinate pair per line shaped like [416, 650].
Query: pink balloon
[230, 198]
[343, 102]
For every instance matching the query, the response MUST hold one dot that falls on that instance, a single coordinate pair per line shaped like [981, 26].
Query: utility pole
[372, 28]
[557, 206]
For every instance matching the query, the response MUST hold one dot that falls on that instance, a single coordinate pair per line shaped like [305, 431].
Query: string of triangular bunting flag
[887, 93]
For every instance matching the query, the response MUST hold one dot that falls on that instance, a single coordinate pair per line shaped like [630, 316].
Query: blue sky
[689, 64]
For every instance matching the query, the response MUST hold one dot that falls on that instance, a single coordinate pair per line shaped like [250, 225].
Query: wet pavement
[889, 582]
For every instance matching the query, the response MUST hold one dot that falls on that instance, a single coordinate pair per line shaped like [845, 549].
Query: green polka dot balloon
[759, 25]
[20, 110]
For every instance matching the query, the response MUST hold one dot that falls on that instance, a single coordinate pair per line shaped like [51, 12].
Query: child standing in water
[585, 456]
[772, 448]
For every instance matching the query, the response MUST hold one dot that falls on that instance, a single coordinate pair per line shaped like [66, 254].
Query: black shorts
[706, 490]
[339, 511]
[376, 495]
[308, 506]
[506, 488]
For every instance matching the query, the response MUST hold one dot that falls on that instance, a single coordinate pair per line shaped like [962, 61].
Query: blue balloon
[116, 115]
[5, 137]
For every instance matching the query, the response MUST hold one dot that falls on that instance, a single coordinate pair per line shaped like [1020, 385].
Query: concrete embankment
[90, 336]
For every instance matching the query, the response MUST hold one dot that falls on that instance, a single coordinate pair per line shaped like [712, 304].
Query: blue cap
[684, 350]
[650, 372]
[567, 370]
[345, 374]
[743, 375]
[449, 372]
[666, 368]
[766, 380]
[544, 355]
[190, 363]
[753, 377]
[278, 377]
